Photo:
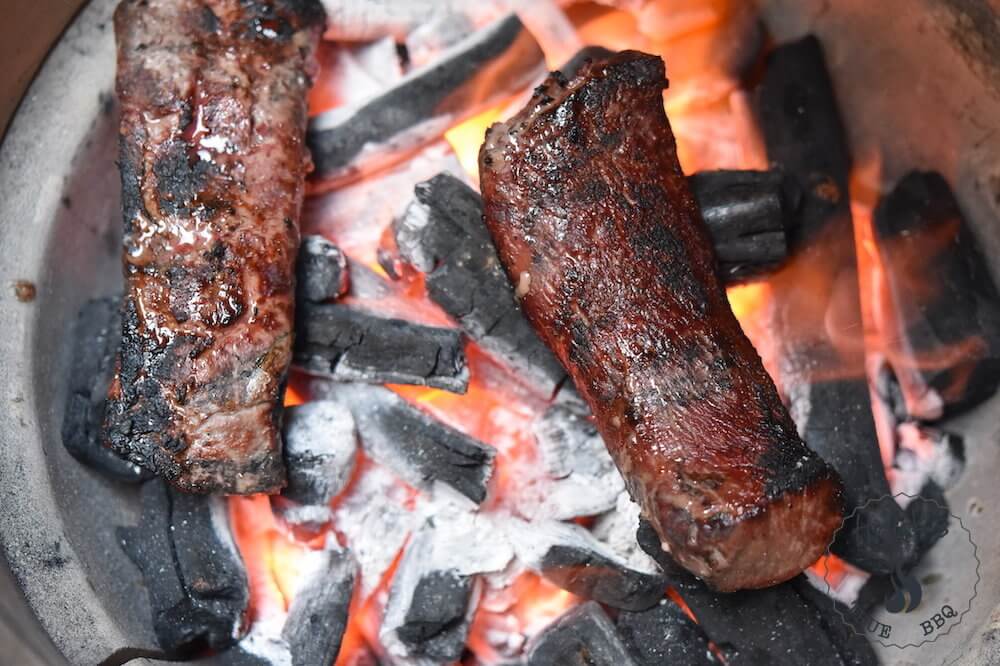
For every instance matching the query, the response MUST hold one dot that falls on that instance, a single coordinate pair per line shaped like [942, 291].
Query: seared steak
[596, 227]
[213, 164]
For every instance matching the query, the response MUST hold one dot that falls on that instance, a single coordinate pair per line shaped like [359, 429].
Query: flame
[466, 138]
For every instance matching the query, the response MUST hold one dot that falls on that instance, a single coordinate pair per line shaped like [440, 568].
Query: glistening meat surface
[594, 222]
[213, 163]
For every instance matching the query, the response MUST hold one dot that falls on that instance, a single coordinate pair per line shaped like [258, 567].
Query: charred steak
[213, 164]
[594, 223]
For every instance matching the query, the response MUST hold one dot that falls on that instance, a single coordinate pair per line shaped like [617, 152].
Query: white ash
[426, 42]
[375, 521]
[617, 529]
[302, 515]
[580, 477]
[321, 447]
[925, 454]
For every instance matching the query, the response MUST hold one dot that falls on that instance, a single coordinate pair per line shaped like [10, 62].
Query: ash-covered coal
[482, 70]
[321, 446]
[193, 573]
[419, 448]
[583, 636]
[321, 272]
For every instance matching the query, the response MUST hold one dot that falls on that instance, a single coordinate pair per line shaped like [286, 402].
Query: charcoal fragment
[349, 344]
[583, 636]
[194, 575]
[320, 450]
[663, 635]
[321, 273]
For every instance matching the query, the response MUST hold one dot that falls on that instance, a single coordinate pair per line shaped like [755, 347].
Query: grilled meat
[596, 227]
[213, 164]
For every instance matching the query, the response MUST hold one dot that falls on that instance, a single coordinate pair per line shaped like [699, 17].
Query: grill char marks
[213, 164]
[584, 194]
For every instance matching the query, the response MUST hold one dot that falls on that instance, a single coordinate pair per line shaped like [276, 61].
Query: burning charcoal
[663, 635]
[320, 448]
[583, 636]
[570, 556]
[617, 530]
[317, 616]
[312, 631]
[804, 136]
[193, 573]
[434, 592]
[939, 288]
[348, 344]
[479, 72]
[927, 454]
[95, 338]
[419, 448]
[321, 271]
[429, 607]
[776, 625]
[580, 477]
[374, 518]
[442, 234]
[747, 214]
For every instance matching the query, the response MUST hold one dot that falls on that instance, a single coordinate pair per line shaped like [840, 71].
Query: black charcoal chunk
[583, 636]
[321, 273]
[663, 635]
[317, 616]
[747, 214]
[442, 234]
[572, 558]
[348, 344]
[193, 573]
[943, 296]
[320, 451]
[804, 136]
[416, 446]
[429, 609]
[929, 515]
[95, 343]
[835, 419]
[478, 72]
[780, 625]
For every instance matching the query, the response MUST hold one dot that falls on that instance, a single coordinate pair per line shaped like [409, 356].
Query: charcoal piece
[572, 558]
[429, 609]
[320, 448]
[663, 635]
[321, 272]
[835, 420]
[583, 636]
[747, 214]
[784, 624]
[194, 575]
[349, 344]
[95, 342]
[804, 136]
[939, 287]
[579, 477]
[418, 447]
[617, 530]
[442, 234]
[317, 616]
[478, 72]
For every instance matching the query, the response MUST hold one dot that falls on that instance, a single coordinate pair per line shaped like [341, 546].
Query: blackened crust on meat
[587, 205]
[213, 165]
